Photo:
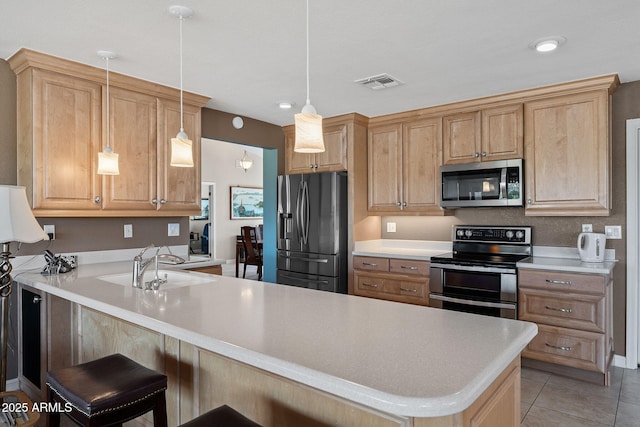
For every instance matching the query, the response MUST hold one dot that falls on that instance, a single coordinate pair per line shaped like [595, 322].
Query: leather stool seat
[223, 416]
[108, 391]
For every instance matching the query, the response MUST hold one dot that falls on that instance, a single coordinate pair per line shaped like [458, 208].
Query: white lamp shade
[17, 223]
[108, 163]
[181, 152]
[309, 135]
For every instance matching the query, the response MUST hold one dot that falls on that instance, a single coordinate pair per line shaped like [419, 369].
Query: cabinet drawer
[370, 263]
[566, 282]
[565, 309]
[391, 287]
[407, 266]
[568, 347]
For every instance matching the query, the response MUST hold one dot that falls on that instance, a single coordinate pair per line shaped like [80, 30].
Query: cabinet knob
[163, 201]
[529, 201]
[484, 154]
[398, 204]
[476, 155]
[37, 299]
[154, 201]
[404, 204]
[98, 199]
[310, 165]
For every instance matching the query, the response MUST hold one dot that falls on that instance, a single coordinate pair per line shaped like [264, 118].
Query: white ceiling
[247, 55]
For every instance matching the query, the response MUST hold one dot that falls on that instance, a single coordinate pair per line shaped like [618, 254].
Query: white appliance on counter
[591, 247]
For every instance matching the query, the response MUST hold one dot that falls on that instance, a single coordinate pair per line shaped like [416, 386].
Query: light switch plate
[173, 229]
[128, 231]
[587, 228]
[613, 231]
[391, 227]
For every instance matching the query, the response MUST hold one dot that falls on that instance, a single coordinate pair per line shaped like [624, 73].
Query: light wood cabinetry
[574, 316]
[333, 159]
[209, 269]
[392, 279]
[568, 155]
[490, 134]
[62, 127]
[404, 167]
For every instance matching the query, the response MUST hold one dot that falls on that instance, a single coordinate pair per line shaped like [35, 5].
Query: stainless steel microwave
[482, 184]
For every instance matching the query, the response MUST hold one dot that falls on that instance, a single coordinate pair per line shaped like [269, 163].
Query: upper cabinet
[568, 155]
[334, 157]
[62, 126]
[404, 167]
[493, 133]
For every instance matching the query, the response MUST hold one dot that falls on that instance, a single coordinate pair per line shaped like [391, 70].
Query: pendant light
[108, 160]
[245, 162]
[181, 145]
[308, 123]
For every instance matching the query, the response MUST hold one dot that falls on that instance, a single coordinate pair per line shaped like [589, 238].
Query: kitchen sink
[175, 278]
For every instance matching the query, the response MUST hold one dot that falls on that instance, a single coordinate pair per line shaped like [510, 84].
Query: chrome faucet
[140, 265]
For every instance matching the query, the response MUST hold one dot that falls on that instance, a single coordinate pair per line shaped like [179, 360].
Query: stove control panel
[473, 233]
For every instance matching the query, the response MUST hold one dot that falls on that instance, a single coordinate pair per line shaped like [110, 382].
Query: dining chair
[253, 256]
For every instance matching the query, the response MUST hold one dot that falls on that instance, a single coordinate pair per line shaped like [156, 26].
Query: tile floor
[553, 400]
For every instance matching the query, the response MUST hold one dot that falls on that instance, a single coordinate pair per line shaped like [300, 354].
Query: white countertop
[566, 259]
[398, 358]
[421, 250]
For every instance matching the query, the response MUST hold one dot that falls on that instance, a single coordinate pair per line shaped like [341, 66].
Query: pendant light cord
[308, 96]
[181, 111]
[108, 110]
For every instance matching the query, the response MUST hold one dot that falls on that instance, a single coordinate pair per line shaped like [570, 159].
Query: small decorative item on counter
[58, 263]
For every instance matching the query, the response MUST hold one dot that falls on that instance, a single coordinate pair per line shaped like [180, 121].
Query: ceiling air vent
[380, 81]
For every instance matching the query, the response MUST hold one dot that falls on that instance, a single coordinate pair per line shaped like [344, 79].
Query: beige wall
[8, 161]
[552, 231]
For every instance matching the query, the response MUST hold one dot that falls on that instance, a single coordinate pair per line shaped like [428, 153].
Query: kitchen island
[291, 356]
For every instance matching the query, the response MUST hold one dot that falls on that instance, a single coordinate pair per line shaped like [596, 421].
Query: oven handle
[473, 302]
[474, 268]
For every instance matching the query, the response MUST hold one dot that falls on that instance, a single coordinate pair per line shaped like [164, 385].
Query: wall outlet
[51, 231]
[391, 227]
[173, 229]
[128, 231]
[613, 231]
[587, 228]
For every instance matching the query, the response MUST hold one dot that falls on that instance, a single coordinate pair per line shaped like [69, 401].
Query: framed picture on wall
[246, 202]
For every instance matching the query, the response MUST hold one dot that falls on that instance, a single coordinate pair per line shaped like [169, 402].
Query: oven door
[474, 289]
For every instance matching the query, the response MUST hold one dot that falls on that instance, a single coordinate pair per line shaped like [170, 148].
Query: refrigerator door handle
[300, 279]
[307, 259]
[298, 210]
[305, 214]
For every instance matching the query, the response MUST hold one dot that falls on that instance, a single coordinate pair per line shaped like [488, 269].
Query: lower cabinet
[44, 343]
[574, 316]
[392, 279]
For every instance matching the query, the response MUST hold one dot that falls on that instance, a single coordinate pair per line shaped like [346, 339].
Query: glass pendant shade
[309, 135]
[108, 163]
[181, 151]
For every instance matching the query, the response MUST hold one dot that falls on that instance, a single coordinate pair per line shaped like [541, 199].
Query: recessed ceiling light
[547, 44]
[285, 105]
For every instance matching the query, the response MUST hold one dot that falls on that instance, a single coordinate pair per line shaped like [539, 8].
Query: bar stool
[107, 391]
[223, 416]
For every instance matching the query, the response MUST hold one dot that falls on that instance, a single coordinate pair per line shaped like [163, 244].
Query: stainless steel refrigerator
[312, 231]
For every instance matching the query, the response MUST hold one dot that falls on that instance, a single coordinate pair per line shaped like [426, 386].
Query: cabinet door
[421, 158]
[296, 162]
[385, 161]
[66, 142]
[133, 134]
[502, 133]
[334, 158]
[178, 188]
[462, 136]
[567, 163]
